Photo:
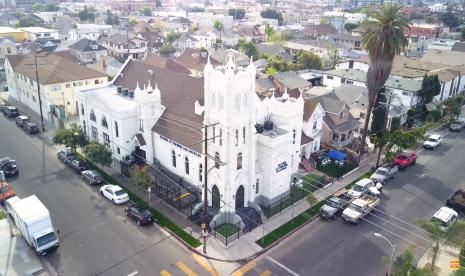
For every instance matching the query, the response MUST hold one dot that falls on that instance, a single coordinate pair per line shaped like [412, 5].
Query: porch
[343, 135]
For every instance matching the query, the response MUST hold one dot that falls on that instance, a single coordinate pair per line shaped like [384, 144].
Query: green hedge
[161, 219]
[299, 220]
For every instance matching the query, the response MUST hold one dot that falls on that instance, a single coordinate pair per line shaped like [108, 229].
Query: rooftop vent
[119, 89]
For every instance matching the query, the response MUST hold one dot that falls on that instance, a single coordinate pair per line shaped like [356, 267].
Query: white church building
[254, 145]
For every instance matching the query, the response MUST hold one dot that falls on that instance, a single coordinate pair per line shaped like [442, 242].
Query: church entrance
[240, 197]
[216, 198]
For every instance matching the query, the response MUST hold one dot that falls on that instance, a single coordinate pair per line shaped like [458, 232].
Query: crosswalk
[201, 266]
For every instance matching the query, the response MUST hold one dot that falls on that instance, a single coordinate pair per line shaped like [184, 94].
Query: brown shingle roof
[54, 69]
[192, 59]
[178, 94]
[309, 108]
[166, 63]
[304, 139]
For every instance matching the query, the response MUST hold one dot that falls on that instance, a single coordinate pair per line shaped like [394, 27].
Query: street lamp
[393, 249]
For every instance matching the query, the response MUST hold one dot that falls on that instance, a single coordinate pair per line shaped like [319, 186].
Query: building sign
[180, 146]
[281, 166]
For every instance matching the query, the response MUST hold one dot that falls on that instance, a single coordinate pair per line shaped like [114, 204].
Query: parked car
[11, 112]
[92, 177]
[359, 208]
[31, 128]
[383, 174]
[445, 216]
[21, 120]
[334, 205]
[78, 165]
[66, 155]
[433, 141]
[6, 191]
[140, 214]
[8, 166]
[363, 187]
[3, 108]
[404, 160]
[114, 193]
[457, 125]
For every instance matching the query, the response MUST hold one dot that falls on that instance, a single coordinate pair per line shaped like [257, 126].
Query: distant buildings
[32, 33]
[87, 51]
[121, 46]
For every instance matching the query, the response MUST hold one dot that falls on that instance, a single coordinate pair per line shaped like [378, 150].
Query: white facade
[206, 20]
[354, 18]
[49, 17]
[75, 35]
[32, 33]
[438, 8]
[312, 128]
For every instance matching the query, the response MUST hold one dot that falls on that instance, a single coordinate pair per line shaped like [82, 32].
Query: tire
[112, 200]
[139, 223]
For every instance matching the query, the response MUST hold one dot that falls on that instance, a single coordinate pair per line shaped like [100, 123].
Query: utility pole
[381, 145]
[205, 190]
[127, 38]
[35, 65]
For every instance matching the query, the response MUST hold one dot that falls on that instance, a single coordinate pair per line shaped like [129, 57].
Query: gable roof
[192, 59]
[166, 63]
[179, 92]
[87, 45]
[309, 107]
[291, 80]
[333, 106]
[352, 95]
[57, 69]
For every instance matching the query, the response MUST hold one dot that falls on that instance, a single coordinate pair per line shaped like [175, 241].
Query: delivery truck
[33, 221]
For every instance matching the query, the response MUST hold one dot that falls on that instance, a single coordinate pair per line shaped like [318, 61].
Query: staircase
[306, 164]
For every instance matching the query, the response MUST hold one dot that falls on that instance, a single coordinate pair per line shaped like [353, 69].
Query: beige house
[60, 79]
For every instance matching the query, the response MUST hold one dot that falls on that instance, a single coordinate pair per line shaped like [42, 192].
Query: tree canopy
[430, 87]
[98, 153]
[248, 48]
[87, 14]
[111, 18]
[38, 7]
[450, 19]
[272, 14]
[237, 14]
[70, 137]
[140, 177]
[147, 11]
[308, 60]
[350, 26]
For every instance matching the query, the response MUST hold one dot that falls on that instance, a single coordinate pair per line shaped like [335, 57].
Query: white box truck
[33, 221]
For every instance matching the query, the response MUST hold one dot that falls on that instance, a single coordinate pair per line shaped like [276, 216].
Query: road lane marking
[184, 268]
[244, 269]
[265, 273]
[282, 266]
[164, 273]
[133, 273]
[205, 264]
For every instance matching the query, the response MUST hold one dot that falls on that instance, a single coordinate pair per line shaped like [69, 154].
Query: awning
[337, 155]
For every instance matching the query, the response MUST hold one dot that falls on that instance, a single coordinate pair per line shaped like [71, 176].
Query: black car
[78, 165]
[140, 214]
[334, 206]
[11, 112]
[92, 177]
[66, 156]
[31, 128]
[8, 166]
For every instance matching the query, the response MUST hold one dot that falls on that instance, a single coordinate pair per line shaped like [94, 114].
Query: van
[445, 217]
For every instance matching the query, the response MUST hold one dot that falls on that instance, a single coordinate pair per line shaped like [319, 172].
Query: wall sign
[180, 146]
[281, 166]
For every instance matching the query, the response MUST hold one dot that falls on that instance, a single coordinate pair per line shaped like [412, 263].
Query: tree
[132, 22]
[379, 115]
[167, 49]
[270, 71]
[407, 267]
[383, 40]
[147, 11]
[350, 26]
[171, 37]
[278, 64]
[237, 14]
[51, 7]
[140, 177]
[71, 137]
[248, 48]
[24, 21]
[311, 199]
[269, 32]
[308, 60]
[98, 153]
[218, 26]
[272, 14]
[196, 9]
[87, 14]
[333, 57]
[450, 19]
[430, 87]
[324, 20]
[38, 7]
[111, 19]
[287, 35]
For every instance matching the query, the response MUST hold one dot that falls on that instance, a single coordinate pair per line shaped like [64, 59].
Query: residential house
[49, 17]
[339, 125]
[424, 30]
[312, 134]
[60, 79]
[317, 46]
[270, 49]
[106, 65]
[121, 46]
[76, 34]
[154, 41]
[265, 87]
[87, 51]
[17, 34]
[8, 46]
[102, 28]
[32, 33]
[291, 82]
[348, 41]
[314, 31]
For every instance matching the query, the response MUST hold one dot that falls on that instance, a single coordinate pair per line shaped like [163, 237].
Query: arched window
[116, 129]
[200, 173]
[186, 165]
[221, 137]
[104, 122]
[237, 137]
[217, 160]
[82, 109]
[293, 136]
[243, 135]
[173, 158]
[92, 116]
[239, 161]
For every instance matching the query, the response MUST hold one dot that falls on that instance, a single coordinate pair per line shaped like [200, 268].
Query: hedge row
[161, 219]
[299, 220]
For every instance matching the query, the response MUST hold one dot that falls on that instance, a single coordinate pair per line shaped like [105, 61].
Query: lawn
[334, 170]
[2, 215]
[227, 230]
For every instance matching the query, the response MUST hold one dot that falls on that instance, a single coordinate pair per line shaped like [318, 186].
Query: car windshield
[431, 140]
[402, 157]
[456, 123]
[46, 239]
[357, 188]
[356, 208]
[144, 212]
[120, 192]
[332, 202]
[381, 172]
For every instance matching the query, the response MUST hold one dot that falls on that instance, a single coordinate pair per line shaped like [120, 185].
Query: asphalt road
[338, 248]
[95, 236]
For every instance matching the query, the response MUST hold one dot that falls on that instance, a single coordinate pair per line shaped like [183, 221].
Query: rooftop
[38, 30]
[9, 30]
[109, 95]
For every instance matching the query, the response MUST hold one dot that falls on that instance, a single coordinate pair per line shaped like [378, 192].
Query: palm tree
[218, 26]
[384, 39]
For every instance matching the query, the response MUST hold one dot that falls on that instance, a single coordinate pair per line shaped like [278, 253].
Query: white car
[445, 217]
[433, 141]
[114, 193]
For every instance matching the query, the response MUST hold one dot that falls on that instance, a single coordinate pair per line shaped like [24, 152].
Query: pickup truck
[383, 174]
[359, 208]
[404, 160]
[334, 205]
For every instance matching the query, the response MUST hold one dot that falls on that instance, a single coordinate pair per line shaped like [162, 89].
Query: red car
[6, 191]
[404, 160]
